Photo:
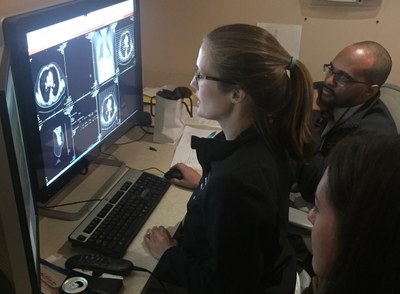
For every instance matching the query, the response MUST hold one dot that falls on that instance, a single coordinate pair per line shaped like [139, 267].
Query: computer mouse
[173, 173]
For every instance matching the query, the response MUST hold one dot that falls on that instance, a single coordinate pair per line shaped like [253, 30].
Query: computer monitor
[78, 83]
[19, 240]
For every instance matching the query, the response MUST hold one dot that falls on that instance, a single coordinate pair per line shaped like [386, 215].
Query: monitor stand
[60, 208]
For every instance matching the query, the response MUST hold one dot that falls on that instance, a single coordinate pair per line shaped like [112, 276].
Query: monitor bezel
[15, 29]
[22, 225]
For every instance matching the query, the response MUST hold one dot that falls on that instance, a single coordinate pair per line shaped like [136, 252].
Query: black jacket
[373, 116]
[234, 233]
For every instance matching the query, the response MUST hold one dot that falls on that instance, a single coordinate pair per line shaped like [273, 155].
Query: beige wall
[172, 30]
[11, 7]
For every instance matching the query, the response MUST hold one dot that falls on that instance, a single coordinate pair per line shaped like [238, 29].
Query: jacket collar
[218, 148]
[359, 113]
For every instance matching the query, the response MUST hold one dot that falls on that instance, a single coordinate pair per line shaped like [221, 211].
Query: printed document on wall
[288, 35]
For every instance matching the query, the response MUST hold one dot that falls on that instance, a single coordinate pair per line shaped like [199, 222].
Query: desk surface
[54, 233]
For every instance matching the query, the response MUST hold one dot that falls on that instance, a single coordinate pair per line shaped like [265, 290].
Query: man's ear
[372, 90]
[238, 95]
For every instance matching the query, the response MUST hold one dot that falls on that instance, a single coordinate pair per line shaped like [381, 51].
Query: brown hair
[280, 86]
[363, 189]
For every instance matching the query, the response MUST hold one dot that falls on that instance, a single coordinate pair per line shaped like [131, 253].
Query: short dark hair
[363, 187]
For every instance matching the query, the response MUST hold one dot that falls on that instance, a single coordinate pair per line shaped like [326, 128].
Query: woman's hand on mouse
[158, 240]
[191, 177]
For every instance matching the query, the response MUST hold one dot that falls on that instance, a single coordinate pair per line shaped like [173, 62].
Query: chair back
[390, 96]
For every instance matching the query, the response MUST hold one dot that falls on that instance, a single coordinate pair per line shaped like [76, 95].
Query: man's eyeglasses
[340, 77]
[198, 76]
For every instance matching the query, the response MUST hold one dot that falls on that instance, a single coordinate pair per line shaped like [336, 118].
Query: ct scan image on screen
[77, 85]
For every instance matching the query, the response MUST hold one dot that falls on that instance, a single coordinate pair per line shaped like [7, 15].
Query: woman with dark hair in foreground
[356, 218]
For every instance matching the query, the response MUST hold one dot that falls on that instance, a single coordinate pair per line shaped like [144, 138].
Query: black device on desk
[173, 173]
[115, 221]
[97, 274]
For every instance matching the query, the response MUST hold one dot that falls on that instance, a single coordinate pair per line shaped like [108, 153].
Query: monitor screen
[18, 210]
[78, 81]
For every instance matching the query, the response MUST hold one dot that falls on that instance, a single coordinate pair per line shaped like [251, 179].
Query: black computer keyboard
[115, 221]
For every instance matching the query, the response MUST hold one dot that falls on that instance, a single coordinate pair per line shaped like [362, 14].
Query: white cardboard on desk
[184, 153]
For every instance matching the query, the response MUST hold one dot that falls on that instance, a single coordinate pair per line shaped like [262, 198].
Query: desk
[54, 233]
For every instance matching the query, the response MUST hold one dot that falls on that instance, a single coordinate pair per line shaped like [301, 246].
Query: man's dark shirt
[372, 116]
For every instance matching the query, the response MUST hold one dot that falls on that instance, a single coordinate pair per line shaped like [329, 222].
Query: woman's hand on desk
[191, 177]
[158, 240]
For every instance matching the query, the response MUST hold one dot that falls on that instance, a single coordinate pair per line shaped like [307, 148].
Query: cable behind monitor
[51, 212]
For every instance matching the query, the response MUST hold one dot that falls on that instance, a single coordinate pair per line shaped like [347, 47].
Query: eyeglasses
[198, 76]
[339, 76]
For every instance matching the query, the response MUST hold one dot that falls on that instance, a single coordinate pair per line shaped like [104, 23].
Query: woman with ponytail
[234, 234]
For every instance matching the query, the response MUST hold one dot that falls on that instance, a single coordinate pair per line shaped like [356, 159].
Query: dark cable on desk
[131, 141]
[146, 131]
[65, 272]
[142, 127]
[143, 170]
[54, 267]
[189, 110]
[153, 167]
[72, 203]
[111, 155]
[141, 269]
[84, 171]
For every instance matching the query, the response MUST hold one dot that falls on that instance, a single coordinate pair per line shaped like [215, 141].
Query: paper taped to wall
[287, 34]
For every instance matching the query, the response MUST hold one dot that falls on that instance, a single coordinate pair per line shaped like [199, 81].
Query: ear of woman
[238, 96]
